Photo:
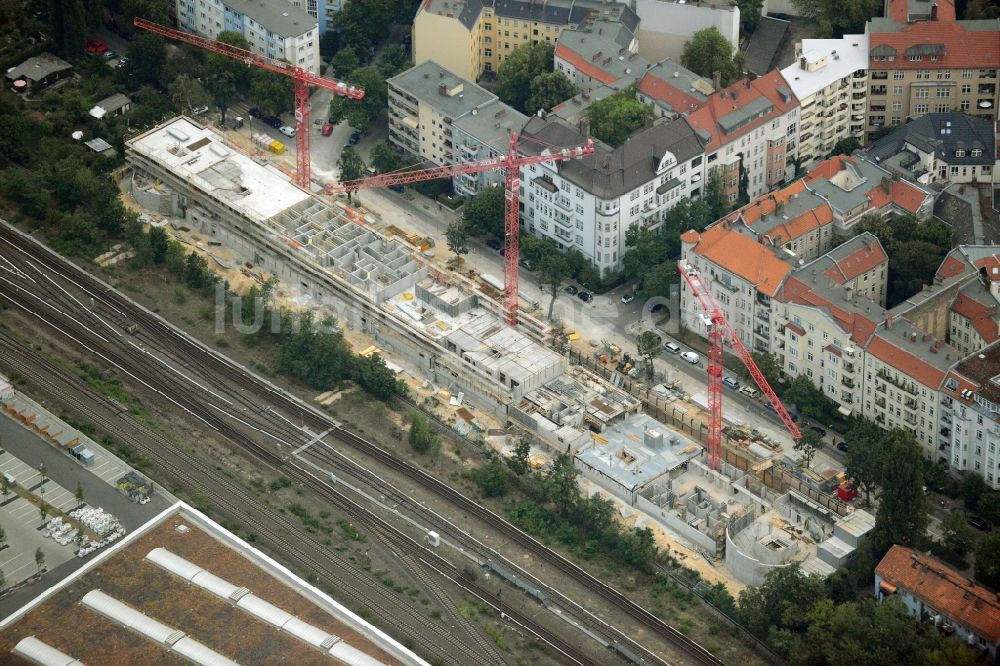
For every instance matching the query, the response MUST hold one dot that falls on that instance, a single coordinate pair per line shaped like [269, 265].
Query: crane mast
[511, 164]
[302, 79]
[719, 331]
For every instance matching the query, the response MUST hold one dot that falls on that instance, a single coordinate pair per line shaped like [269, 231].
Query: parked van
[731, 382]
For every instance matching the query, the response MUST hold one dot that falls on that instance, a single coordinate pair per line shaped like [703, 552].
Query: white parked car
[660, 391]
[287, 131]
[691, 357]
[198, 111]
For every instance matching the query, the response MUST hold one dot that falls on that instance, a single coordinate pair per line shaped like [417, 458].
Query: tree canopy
[360, 113]
[835, 18]
[708, 51]
[526, 80]
[483, 213]
[614, 118]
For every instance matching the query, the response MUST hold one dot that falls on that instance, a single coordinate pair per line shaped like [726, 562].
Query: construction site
[446, 335]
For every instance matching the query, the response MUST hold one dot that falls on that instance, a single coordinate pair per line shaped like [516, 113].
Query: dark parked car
[979, 523]
[493, 244]
[273, 121]
[571, 290]
[842, 446]
[585, 296]
[819, 431]
[255, 113]
[398, 189]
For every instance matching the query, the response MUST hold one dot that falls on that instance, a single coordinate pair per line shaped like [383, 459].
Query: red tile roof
[690, 236]
[963, 384]
[992, 266]
[945, 590]
[962, 48]
[950, 267]
[742, 256]
[892, 354]
[904, 195]
[828, 168]
[859, 327]
[980, 315]
[767, 204]
[583, 64]
[857, 263]
[658, 89]
[723, 103]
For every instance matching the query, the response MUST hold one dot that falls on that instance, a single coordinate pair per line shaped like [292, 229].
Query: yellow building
[472, 37]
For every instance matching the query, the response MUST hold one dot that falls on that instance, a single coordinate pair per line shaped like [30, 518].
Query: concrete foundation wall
[672, 521]
[746, 564]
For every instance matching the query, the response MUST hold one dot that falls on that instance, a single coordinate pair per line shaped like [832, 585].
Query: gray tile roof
[281, 18]
[38, 68]
[764, 45]
[942, 134]
[608, 173]
[491, 124]
[430, 83]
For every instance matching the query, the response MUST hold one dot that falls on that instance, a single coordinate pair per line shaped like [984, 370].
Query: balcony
[880, 388]
[880, 420]
[910, 419]
[880, 402]
[987, 89]
[879, 76]
[764, 316]
[849, 367]
[946, 432]
[908, 387]
[878, 90]
[910, 403]
[847, 381]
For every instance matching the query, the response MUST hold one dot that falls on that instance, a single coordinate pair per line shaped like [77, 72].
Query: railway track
[283, 534]
[199, 359]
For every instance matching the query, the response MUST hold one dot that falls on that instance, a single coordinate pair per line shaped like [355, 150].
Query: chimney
[716, 79]
[888, 321]
[442, 89]
[913, 336]
[747, 83]
[925, 338]
[802, 63]
[887, 184]
[934, 12]
[585, 127]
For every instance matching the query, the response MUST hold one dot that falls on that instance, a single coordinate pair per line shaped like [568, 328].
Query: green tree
[782, 602]
[658, 279]
[808, 445]
[270, 92]
[845, 146]
[345, 62]
[187, 93]
[491, 478]
[552, 272]
[225, 77]
[988, 560]
[835, 18]
[423, 437]
[3, 537]
[561, 483]
[483, 213]
[549, 89]
[518, 70]
[39, 559]
[458, 238]
[647, 346]
[43, 510]
[708, 52]
[770, 367]
[360, 113]
[518, 460]
[614, 118]
[973, 489]
[392, 60]
[223, 86]
[385, 159]
[4, 487]
[956, 535]
[901, 517]
[79, 492]
[159, 244]
[375, 377]
[866, 457]
[351, 166]
[750, 11]
[147, 56]
[69, 27]
[982, 9]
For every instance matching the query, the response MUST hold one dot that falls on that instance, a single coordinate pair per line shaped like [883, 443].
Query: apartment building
[820, 328]
[482, 133]
[589, 204]
[750, 131]
[472, 37]
[934, 592]
[273, 29]
[743, 276]
[944, 148]
[666, 25]
[830, 80]
[855, 187]
[922, 61]
[792, 218]
[970, 404]
[424, 101]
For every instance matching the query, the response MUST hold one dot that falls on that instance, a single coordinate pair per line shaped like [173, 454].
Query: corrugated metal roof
[176, 565]
[45, 655]
[264, 610]
[201, 654]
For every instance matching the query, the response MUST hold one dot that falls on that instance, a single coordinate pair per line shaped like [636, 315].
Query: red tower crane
[719, 331]
[301, 80]
[511, 163]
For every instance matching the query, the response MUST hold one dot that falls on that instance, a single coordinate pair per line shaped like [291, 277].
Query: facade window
[943, 92]
[898, 75]
[897, 106]
[897, 91]
[964, 105]
[966, 89]
[921, 108]
[944, 73]
[916, 58]
[922, 93]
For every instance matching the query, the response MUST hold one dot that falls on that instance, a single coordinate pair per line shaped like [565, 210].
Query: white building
[274, 29]
[589, 204]
[666, 25]
[830, 78]
[750, 131]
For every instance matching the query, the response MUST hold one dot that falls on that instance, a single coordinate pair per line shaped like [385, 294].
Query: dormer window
[959, 153]
[976, 152]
